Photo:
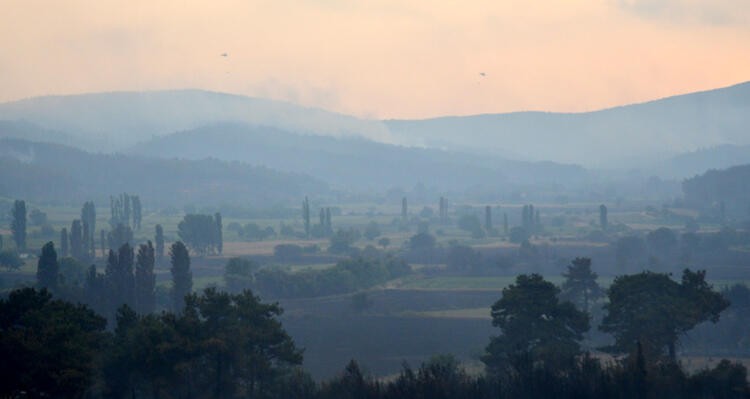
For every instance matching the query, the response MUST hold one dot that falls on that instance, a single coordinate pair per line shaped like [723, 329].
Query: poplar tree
[18, 224]
[219, 234]
[603, 222]
[125, 280]
[47, 269]
[64, 242]
[76, 240]
[145, 280]
[159, 241]
[88, 217]
[182, 278]
[306, 216]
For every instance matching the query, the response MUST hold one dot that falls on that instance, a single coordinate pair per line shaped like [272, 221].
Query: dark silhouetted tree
[404, 211]
[159, 241]
[47, 269]
[182, 277]
[145, 279]
[18, 224]
[103, 242]
[306, 216]
[64, 242]
[137, 215]
[199, 233]
[535, 325]
[580, 286]
[88, 217]
[603, 221]
[656, 310]
[76, 240]
[219, 233]
[49, 347]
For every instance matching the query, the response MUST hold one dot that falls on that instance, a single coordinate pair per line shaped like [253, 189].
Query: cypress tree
[182, 278]
[76, 240]
[126, 213]
[136, 202]
[159, 241]
[145, 280]
[86, 242]
[603, 222]
[125, 279]
[47, 269]
[103, 241]
[88, 216]
[64, 242]
[111, 287]
[18, 224]
[442, 210]
[219, 233]
[404, 209]
[306, 216]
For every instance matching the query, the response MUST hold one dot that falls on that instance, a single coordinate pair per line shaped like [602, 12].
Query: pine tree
[64, 242]
[18, 224]
[47, 269]
[219, 233]
[145, 280]
[159, 241]
[182, 278]
[76, 240]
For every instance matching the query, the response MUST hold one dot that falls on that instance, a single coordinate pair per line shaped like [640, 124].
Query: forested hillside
[356, 162]
[725, 193]
[59, 174]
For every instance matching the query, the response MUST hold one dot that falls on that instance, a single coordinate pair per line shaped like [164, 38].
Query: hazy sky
[390, 58]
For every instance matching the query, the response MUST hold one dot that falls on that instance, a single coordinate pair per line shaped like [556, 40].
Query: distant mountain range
[113, 121]
[676, 137]
[628, 136]
[356, 163]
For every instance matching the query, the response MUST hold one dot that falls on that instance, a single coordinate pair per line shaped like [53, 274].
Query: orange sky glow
[381, 59]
